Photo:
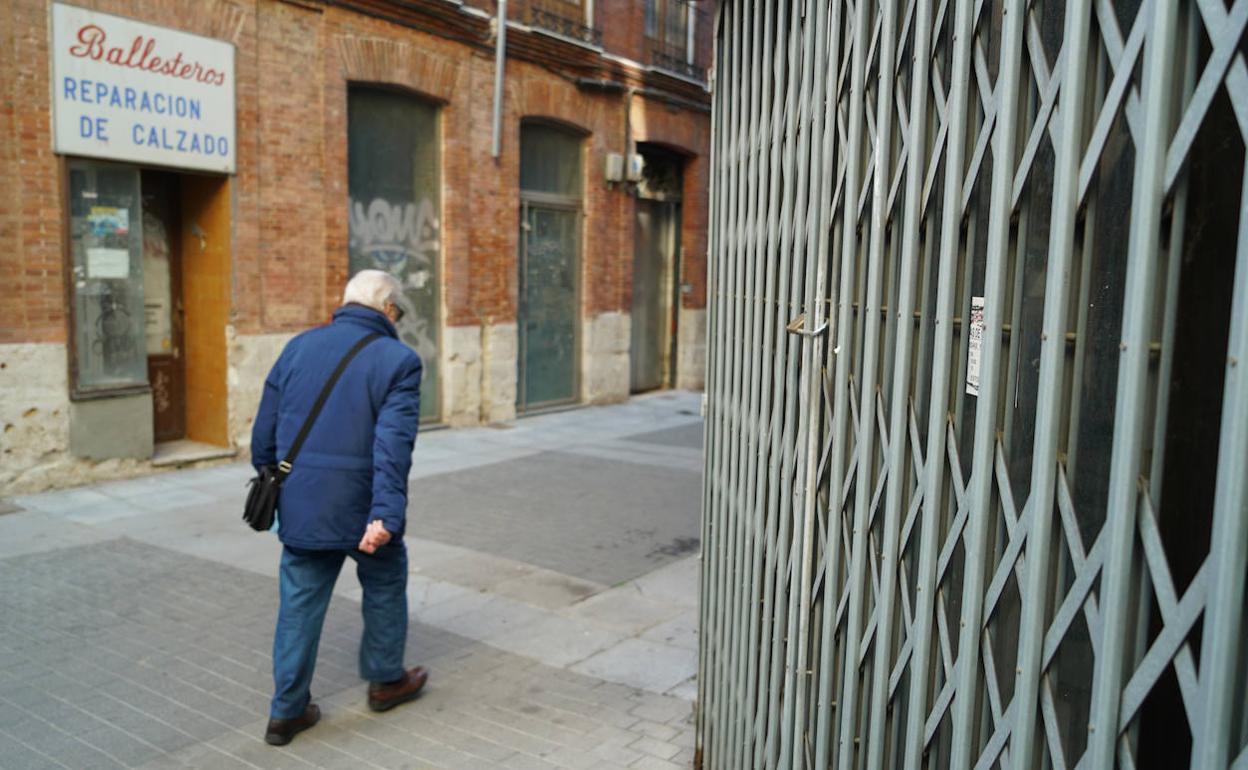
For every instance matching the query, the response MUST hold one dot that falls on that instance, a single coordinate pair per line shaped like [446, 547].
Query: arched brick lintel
[376, 60]
[557, 103]
[661, 124]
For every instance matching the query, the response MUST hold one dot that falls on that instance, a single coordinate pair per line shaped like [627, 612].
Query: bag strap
[285, 465]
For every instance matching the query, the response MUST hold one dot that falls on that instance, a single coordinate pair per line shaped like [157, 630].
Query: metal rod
[500, 60]
[1062, 244]
[1133, 365]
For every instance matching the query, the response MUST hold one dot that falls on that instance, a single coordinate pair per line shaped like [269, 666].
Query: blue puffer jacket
[353, 467]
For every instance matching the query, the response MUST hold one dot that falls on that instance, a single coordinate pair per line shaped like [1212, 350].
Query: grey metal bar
[1048, 407]
[846, 745]
[770, 639]
[1129, 428]
[899, 483]
[1222, 646]
[744, 648]
[779, 732]
[979, 489]
[934, 469]
[816, 140]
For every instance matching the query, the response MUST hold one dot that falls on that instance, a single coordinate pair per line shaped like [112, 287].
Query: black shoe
[383, 697]
[281, 731]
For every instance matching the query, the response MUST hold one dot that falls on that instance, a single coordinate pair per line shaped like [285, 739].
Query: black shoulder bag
[266, 487]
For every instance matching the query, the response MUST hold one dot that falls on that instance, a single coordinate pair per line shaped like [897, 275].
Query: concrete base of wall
[251, 356]
[604, 361]
[479, 386]
[461, 375]
[112, 428]
[691, 349]
[34, 412]
[499, 349]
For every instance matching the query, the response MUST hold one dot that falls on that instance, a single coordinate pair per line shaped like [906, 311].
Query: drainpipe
[500, 56]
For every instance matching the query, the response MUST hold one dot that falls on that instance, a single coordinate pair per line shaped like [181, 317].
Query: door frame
[528, 200]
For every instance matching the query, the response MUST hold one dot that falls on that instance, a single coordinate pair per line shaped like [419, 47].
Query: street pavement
[553, 596]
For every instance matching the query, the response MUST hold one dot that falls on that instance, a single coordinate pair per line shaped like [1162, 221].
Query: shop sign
[125, 90]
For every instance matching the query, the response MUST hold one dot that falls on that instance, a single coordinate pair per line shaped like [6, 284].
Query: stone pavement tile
[668, 710]
[655, 747]
[120, 745]
[16, 754]
[604, 526]
[623, 609]
[497, 617]
[573, 759]
[557, 641]
[675, 583]
[501, 730]
[680, 631]
[688, 435]
[473, 570]
[519, 761]
[530, 721]
[547, 588]
[355, 748]
[654, 763]
[620, 755]
[421, 751]
[686, 690]
[647, 665]
[58, 743]
[33, 531]
[675, 458]
[440, 604]
[660, 732]
[201, 755]
[64, 502]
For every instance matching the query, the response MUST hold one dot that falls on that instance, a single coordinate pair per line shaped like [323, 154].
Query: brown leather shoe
[383, 697]
[281, 731]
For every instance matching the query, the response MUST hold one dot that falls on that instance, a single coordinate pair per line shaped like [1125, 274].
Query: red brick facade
[294, 61]
[288, 203]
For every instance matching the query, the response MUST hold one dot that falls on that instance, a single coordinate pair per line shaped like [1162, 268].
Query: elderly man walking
[346, 495]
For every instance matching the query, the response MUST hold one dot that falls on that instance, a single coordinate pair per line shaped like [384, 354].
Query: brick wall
[294, 62]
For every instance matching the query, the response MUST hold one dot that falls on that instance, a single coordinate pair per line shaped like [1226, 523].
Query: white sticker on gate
[975, 343]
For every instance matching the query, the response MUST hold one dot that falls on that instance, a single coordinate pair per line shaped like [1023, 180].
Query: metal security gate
[977, 436]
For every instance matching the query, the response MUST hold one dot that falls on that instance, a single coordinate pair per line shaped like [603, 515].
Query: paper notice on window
[108, 220]
[108, 263]
[975, 344]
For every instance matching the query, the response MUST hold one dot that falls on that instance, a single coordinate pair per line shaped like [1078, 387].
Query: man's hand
[375, 536]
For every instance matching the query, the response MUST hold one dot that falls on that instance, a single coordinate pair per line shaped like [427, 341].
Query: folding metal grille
[977, 431]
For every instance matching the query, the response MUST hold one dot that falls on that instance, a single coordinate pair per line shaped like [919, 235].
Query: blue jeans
[307, 582]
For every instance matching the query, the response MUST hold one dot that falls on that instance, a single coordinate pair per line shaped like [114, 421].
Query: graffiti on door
[402, 239]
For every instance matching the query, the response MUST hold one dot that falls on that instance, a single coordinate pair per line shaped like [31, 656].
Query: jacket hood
[362, 315]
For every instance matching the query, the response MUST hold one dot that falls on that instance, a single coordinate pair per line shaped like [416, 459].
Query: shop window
[394, 184]
[109, 349]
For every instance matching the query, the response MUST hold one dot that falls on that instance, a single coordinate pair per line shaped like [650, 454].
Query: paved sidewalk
[553, 596]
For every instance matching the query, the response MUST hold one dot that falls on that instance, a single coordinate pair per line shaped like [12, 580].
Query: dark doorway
[163, 316]
[656, 267]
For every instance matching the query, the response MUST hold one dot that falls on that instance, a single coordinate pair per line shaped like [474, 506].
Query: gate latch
[798, 326]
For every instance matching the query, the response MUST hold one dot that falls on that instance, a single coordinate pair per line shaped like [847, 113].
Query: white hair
[373, 288]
